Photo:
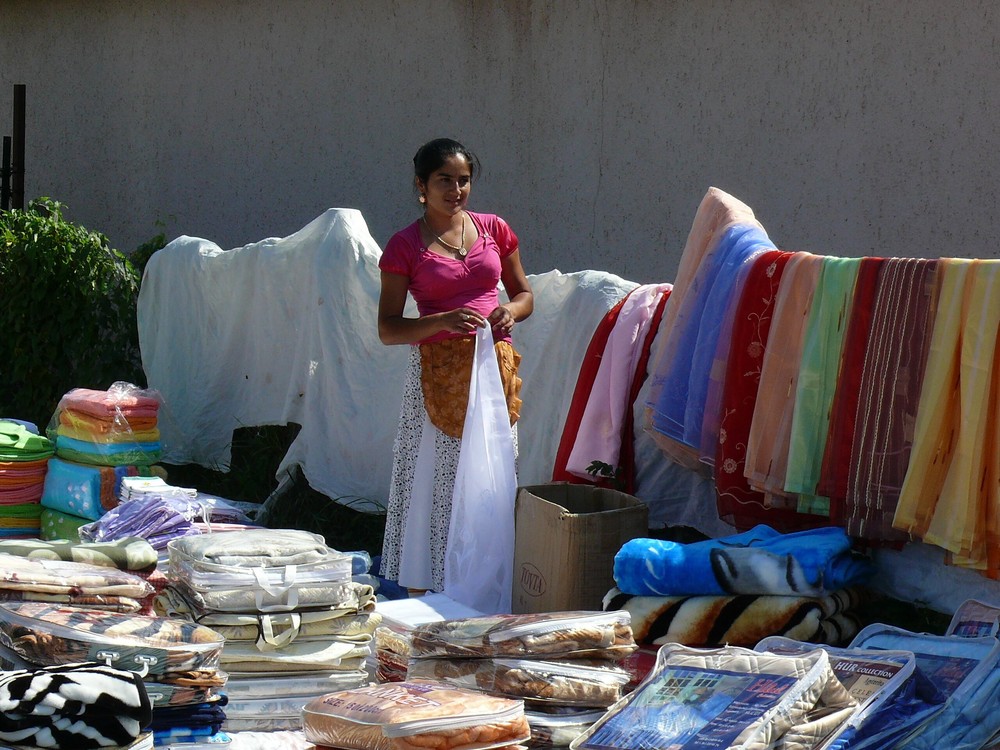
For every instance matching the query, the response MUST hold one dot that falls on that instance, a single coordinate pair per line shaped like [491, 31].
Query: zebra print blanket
[79, 706]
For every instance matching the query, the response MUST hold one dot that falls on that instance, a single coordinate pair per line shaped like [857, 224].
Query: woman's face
[447, 188]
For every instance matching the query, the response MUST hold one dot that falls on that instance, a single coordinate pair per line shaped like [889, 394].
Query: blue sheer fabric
[691, 344]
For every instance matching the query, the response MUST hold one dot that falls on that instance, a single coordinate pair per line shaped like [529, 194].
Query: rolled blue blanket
[760, 561]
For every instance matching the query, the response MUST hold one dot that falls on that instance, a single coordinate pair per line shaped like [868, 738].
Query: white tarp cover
[284, 331]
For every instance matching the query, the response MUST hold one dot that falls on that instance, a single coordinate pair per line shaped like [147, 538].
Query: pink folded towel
[129, 401]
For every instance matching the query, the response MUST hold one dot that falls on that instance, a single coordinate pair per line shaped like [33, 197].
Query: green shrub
[68, 311]
[141, 255]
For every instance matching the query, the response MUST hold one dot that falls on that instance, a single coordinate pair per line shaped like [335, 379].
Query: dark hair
[433, 154]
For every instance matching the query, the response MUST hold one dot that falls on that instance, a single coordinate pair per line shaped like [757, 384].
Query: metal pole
[5, 175]
[17, 160]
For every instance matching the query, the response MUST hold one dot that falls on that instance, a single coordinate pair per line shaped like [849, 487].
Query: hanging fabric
[600, 433]
[951, 494]
[738, 382]
[875, 406]
[717, 213]
[678, 414]
[770, 427]
[817, 381]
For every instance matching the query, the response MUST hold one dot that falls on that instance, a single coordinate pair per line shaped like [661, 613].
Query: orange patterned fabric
[445, 375]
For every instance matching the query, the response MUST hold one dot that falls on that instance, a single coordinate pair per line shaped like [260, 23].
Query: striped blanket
[705, 621]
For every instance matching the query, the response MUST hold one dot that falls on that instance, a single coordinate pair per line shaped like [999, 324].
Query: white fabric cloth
[285, 331]
[280, 331]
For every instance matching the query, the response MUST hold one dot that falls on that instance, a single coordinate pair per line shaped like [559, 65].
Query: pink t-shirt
[439, 283]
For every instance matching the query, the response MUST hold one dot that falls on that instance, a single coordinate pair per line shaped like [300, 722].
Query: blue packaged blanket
[966, 670]
[894, 696]
[760, 562]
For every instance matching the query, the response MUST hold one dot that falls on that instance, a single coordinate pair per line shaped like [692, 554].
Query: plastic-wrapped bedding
[259, 570]
[44, 634]
[894, 696]
[559, 726]
[966, 670]
[728, 697]
[974, 618]
[27, 574]
[550, 635]
[414, 716]
[567, 682]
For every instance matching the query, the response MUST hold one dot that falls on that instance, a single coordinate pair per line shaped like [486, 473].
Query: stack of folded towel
[742, 588]
[24, 458]
[100, 437]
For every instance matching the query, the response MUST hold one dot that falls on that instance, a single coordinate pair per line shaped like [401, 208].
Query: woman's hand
[501, 319]
[463, 320]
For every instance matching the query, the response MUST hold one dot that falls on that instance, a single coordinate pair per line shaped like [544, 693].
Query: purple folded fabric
[153, 519]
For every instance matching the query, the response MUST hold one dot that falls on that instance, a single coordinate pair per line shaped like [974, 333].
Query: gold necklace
[460, 249]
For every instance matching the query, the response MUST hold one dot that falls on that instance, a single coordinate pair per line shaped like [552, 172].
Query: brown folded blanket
[704, 621]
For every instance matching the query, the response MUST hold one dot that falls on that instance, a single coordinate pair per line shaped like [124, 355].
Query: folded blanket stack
[565, 664]
[177, 661]
[742, 588]
[24, 459]
[70, 583]
[130, 555]
[287, 606]
[100, 437]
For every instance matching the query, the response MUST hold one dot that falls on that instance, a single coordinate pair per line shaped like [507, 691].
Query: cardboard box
[566, 537]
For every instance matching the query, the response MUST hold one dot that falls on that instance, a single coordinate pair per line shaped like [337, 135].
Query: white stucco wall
[850, 127]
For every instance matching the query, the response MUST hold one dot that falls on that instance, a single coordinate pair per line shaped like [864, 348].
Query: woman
[449, 260]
